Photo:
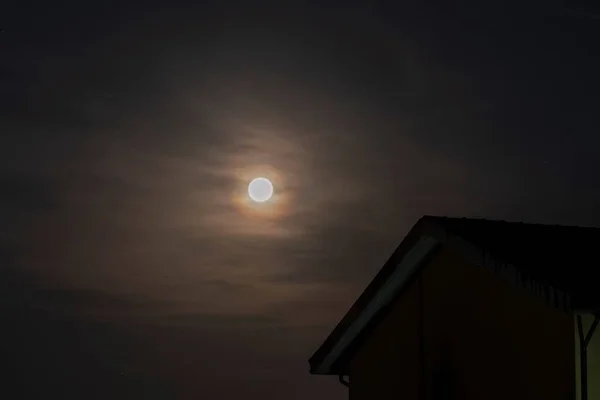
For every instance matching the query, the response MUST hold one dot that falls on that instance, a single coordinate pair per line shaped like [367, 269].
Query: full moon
[260, 190]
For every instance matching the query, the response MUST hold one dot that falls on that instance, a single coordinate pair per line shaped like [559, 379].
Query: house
[475, 309]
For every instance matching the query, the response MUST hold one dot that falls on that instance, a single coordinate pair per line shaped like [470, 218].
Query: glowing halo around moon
[263, 193]
[260, 190]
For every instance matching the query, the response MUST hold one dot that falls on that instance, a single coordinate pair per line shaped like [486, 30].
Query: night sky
[133, 265]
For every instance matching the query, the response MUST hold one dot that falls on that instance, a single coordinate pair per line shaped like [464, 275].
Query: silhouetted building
[474, 309]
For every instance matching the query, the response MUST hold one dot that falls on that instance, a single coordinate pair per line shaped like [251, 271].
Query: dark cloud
[15, 284]
[7, 255]
[83, 299]
[68, 357]
[27, 193]
[221, 321]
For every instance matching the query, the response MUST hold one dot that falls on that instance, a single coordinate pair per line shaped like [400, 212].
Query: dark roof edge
[429, 226]
[378, 281]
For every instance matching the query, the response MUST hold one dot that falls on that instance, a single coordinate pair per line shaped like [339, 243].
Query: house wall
[593, 360]
[486, 339]
[482, 339]
[388, 362]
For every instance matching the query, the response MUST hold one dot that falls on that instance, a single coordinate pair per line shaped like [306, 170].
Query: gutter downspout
[421, 333]
[584, 341]
[343, 381]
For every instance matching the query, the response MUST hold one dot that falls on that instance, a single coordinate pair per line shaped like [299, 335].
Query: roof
[555, 262]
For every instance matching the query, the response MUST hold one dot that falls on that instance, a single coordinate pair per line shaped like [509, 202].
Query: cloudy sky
[132, 264]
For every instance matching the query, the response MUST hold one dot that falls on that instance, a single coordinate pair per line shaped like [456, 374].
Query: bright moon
[260, 189]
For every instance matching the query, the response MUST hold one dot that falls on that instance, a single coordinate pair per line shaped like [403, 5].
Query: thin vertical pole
[582, 359]
[423, 371]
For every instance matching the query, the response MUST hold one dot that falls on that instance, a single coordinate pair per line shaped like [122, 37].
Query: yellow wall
[387, 364]
[504, 342]
[593, 355]
[490, 340]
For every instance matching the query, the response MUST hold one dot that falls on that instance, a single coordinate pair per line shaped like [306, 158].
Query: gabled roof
[557, 263]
